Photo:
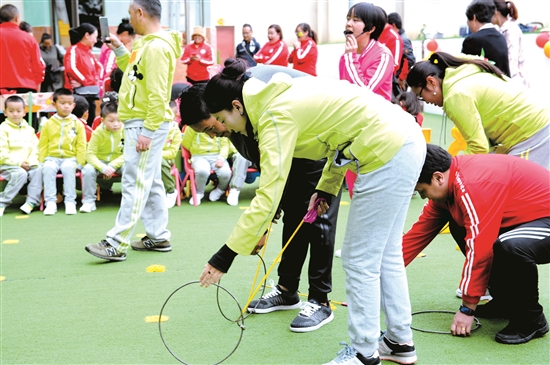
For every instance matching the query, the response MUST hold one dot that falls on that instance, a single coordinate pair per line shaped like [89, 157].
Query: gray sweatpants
[143, 193]
[17, 177]
[372, 255]
[536, 148]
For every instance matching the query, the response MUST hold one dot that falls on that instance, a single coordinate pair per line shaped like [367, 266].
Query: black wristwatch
[467, 311]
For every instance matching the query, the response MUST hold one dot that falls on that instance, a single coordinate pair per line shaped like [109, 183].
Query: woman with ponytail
[505, 17]
[492, 113]
[81, 67]
[304, 55]
[314, 118]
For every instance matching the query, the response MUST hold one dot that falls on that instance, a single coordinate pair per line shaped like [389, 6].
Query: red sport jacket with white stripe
[486, 193]
[373, 68]
[82, 66]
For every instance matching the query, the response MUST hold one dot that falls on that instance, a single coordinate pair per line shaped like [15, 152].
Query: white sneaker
[199, 198]
[216, 194]
[70, 208]
[2, 211]
[338, 253]
[87, 208]
[233, 197]
[27, 208]
[487, 295]
[171, 199]
[51, 208]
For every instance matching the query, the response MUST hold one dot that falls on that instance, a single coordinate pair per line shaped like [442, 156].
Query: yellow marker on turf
[344, 203]
[156, 268]
[156, 319]
[21, 217]
[2, 278]
[10, 242]
[140, 235]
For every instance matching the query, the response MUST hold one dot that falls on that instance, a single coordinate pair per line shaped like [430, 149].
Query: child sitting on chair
[169, 152]
[208, 154]
[104, 156]
[62, 147]
[19, 157]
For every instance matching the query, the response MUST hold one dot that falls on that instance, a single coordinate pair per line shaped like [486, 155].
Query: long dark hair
[437, 64]
[226, 86]
[307, 29]
[373, 16]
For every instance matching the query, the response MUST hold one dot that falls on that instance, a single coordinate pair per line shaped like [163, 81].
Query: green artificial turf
[60, 305]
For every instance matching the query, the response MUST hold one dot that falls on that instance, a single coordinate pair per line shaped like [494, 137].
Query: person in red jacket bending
[198, 57]
[502, 204]
[304, 55]
[274, 52]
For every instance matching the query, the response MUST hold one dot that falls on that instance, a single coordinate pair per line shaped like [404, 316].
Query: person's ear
[238, 106]
[438, 178]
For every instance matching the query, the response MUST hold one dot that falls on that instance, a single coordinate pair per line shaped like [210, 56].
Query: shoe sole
[400, 360]
[87, 211]
[538, 333]
[164, 249]
[313, 328]
[275, 308]
[121, 258]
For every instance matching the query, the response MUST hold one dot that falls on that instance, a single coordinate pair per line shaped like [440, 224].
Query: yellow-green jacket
[106, 148]
[18, 144]
[147, 82]
[492, 115]
[202, 144]
[312, 118]
[63, 138]
[173, 142]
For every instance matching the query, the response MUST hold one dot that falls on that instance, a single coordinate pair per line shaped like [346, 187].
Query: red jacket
[273, 54]
[82, 66]
[391, 39]
[22, 66]
[198, 70]
[486, 193]
[304, 58]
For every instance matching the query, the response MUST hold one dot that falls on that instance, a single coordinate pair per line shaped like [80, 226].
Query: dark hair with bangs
[373, 16]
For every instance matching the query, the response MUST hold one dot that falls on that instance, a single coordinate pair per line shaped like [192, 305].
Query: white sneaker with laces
[171, 199]
[199, 198]
[233, 197]
[216, 194]
[87, 208]
[2, 211]
[70, 208]
[51, 208]
[27, 208]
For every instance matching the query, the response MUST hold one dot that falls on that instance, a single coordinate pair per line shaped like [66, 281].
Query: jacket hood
[171, 37]
[254, 89]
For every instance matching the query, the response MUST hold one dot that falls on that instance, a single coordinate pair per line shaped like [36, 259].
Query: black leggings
[320, 236]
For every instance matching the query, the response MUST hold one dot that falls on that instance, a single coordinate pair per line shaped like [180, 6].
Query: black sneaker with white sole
[312, 316]
[276, 300]
[105, 251]
[399, 353]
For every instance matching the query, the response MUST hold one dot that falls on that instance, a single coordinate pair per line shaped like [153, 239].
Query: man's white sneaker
[216, 194]
[70, 208]
[2, 211]
[27, 208]
[199, 198]
[51, 208]
[87, 208]
[233, 197]
[171, 199]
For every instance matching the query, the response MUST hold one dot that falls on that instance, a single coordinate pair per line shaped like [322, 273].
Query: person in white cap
[198, 56]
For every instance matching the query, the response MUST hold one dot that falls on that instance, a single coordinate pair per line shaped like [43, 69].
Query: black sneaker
[146, 244]
[517, 332]
[348, 356]
[312, 316]
[105, 251]
[276, 300]
[392, 351]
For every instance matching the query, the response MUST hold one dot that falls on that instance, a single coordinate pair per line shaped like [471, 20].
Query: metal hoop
[241, 320]
[478, 323]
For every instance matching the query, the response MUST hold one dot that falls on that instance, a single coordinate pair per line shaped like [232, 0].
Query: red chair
[175, 172]
[189, 176]
[96, 122]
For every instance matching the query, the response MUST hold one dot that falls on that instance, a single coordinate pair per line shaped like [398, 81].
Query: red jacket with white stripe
[391, 39]
[486, 193]
[197, 70]
[81, 66]
[372, 69]
[304, 58]
[273, 54]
